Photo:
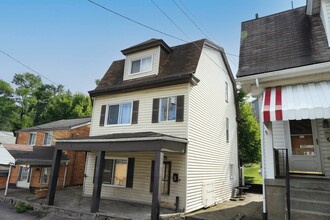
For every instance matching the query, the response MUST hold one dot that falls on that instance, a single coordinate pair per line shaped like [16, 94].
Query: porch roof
[139, 141]
[297, 102]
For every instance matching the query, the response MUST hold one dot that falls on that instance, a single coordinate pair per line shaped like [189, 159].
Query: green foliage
[33, 103]
[251, 174]
[22, 207]
[249, 142]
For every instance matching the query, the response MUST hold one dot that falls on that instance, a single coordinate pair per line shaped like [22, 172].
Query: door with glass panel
[304, 153]
[24, 177]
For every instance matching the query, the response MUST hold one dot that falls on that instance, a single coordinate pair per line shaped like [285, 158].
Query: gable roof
[281, 41]
[64, 124]
[175, 67]
[146, 45]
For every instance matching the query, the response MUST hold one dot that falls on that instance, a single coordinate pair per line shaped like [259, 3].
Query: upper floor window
[226, 92]
[115, 171]
[119, 114]
[32, 138]
[167, 108]
[48, 138]
[141, 65]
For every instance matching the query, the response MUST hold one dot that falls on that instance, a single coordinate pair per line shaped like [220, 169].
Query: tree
[249, 142]
[8, 108]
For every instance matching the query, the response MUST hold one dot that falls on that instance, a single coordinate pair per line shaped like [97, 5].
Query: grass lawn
[251, 174]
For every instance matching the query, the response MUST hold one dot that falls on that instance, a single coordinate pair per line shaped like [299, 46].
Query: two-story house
[30, 158]
[163, 130]
[285, 63]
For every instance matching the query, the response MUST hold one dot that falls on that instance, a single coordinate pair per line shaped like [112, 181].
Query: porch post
[98, 175]
[54, 176]
[156, 193]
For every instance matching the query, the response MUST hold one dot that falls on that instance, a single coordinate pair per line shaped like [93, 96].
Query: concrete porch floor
[71, 198]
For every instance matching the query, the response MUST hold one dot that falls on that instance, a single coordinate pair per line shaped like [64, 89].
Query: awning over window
[302, 101]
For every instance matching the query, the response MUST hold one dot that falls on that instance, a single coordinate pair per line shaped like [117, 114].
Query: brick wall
[35, 178]
[3, 181]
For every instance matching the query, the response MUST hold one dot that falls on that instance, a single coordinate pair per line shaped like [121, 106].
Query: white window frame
[113, 168]
[226, 91]
[119, 114]
[140, 59]
[51, 139]
[41, 173]
[35, 138]
[160, 109]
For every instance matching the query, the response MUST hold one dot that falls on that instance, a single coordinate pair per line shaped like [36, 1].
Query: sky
[73, 42]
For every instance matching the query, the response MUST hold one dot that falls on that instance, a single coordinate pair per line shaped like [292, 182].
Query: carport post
[54, 176]
[98, 176]
[156, 193]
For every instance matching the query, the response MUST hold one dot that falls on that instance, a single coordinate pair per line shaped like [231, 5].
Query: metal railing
[282, 171]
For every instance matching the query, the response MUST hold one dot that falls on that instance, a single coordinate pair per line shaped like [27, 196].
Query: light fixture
[325, 123]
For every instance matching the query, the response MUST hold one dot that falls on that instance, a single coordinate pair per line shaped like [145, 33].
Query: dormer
[143, 59]
[323, 8]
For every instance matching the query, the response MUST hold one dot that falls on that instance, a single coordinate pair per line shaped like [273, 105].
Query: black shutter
[135, 114]
[102, 115]
[179, 108]
[155, 110]
[94, 169]
[152, 175]
[130, 173]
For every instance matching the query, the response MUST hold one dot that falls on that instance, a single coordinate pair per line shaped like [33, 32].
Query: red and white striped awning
[297, 102]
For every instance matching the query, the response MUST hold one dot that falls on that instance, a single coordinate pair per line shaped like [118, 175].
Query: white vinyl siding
[141, 183]
[324, 145]
[145, 97]
[209, 156]
[325, 16]
[5, 156]
[154, 53]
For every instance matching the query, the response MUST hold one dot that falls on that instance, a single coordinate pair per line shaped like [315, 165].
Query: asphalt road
[9, 213]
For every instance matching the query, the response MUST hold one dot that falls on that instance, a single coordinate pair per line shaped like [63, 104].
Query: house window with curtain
[141, 65]
[48, 138]
[115, 171]
[119, 114]
[32, 138]
[44, 175]
[168, 107]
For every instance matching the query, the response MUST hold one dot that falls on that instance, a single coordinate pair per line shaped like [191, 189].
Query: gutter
[286, 73]
[124, 140]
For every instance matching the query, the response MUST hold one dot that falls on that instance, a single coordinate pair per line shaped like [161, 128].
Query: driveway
[8, 212]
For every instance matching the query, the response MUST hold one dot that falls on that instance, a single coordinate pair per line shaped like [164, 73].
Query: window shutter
[135, 114]
[179, 108]
[155, 110]
[130, 172]
[102, 115]
[152, 176]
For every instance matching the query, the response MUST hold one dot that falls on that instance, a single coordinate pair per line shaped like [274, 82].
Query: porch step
[309, 194]
[310, 184]
[308, 215]
[309, 205]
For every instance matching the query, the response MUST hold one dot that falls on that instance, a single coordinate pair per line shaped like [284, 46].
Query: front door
[304, 152]
[24, 177]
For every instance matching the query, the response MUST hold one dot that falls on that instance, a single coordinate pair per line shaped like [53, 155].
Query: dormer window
[141, 65]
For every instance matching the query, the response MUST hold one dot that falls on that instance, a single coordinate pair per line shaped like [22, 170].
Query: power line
[11, 57]
[137, 22]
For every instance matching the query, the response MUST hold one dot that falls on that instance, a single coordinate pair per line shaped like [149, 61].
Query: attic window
[141, 65]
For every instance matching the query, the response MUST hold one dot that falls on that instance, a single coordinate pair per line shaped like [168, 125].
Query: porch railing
[282, 171]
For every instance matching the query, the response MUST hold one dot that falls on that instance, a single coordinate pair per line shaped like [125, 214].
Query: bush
[22, 207]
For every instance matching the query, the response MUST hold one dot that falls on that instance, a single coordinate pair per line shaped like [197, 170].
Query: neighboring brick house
[164, 124]
[285, 63]
[33, 152]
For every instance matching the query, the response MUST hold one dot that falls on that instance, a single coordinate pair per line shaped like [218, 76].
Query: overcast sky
[73, 42]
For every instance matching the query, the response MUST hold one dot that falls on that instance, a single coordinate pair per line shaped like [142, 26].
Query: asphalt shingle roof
[64, 124]
[280, 41]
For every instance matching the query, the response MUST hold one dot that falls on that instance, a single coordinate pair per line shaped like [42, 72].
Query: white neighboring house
[172, 108]
[7, 137]
[285, 63]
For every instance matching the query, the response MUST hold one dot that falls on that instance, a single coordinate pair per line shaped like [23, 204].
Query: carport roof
[139, 141]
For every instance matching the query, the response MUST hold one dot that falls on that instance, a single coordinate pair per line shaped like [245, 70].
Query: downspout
[65, 171]
[8, 178]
